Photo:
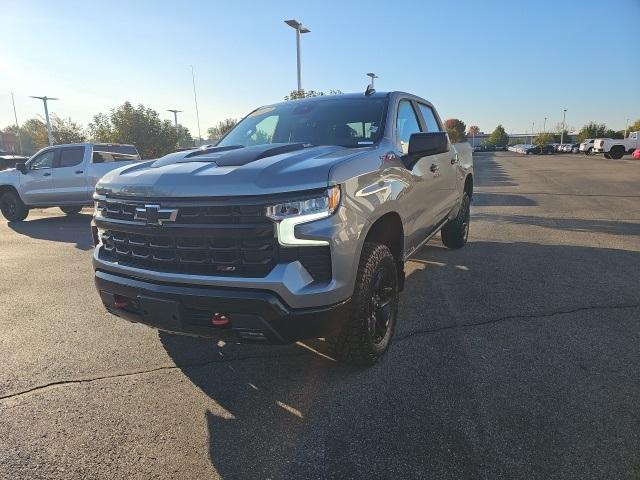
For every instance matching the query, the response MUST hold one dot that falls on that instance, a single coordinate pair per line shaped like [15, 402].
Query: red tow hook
[219, 320]
[120, 301]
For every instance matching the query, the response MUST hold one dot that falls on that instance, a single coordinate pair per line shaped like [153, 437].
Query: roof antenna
[370, 90]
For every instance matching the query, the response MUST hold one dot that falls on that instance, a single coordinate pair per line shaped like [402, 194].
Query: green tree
[66, 131]
[592, 130]
[184, 137]
[634, 127]
[544, 139]
[455, 128]
[217, 132]
[139, 126]
[297, 94]
[498, 137]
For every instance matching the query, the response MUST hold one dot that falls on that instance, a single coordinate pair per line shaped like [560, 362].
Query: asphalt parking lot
[515, 357]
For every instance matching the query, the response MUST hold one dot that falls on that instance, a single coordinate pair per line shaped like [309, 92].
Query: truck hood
[10, 176]
[228, 171]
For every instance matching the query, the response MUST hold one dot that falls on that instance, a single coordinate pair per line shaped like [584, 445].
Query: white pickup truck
[616, 148]
[60, 176]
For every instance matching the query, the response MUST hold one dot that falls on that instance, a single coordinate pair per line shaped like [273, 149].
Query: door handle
[78, 172]
[46, 174]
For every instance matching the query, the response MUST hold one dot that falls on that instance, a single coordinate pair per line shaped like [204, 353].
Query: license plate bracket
[160, 312]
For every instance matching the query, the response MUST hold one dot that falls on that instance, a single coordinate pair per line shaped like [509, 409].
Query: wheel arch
[388, 230]
[468, 185]
[9, 188]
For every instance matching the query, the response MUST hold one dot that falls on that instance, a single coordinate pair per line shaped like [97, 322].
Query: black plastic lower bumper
[253, 315]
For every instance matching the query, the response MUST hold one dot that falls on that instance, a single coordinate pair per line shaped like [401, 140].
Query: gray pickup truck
[60, 176]
[296, 225]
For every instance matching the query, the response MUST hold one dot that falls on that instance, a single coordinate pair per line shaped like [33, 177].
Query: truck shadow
[292, 412]
[490, 173]
[68, 229]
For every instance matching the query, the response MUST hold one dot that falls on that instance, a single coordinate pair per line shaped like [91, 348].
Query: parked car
[60, 176]
[9, 160]
[586, 147]
[548, 150]
[616, 148]
[296, 225]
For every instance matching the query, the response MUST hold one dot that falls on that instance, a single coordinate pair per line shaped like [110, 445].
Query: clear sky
[485, 62]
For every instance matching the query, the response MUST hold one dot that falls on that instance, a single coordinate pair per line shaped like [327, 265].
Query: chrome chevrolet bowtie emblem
[154, 215]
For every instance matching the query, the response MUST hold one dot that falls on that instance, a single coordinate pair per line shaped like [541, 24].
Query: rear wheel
[71, 210]
[366, 336]
[588, 151]
[12, 207]
[456, 232]
[617, 152]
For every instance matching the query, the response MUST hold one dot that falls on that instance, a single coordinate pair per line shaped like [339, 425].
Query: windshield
[349, 122]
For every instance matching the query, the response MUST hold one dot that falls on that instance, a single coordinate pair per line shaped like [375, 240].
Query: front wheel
[589, 151]
[366, 335]
[456, 231]
[71, 210]
[12, 207]
[616, 152]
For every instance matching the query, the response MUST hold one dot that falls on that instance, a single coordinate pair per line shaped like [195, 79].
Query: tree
[498, 137]
[217, 132]
[455, 129]
[296, 94]
[473, 130]
[184, 137]
[66, 131]
[544, 139]
[139, 126]
[592, 130]
[634, 127]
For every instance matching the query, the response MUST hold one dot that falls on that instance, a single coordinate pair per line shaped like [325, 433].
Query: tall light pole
[533, 124]
[175, 119]
[195, 99]
[299, 29]
[45, 99]
[564, 116]
[15, 115]
[373, 76]
[544, 125]
[626, 125]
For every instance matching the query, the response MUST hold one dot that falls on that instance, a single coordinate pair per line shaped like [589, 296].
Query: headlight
[325, 204]
[289, 214]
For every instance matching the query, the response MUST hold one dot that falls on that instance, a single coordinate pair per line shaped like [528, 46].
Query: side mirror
[22, 167]
[425, 144]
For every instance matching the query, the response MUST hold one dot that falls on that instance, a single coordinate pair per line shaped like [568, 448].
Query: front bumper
[254, 315]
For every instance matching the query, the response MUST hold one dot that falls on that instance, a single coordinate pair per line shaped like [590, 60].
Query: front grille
[188, 213]
[206, 239]
[253, 256]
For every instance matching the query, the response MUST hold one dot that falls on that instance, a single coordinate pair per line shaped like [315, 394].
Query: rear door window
[114, 153]
[70, 157]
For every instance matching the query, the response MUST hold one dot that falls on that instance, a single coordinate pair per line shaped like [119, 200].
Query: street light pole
[373, 76]
[626, 125]
[564, 116]
[299, 30]
[15, 115]
[175, 118]
[533, 124]
[544, 126]
[45, 99]
[195, 99]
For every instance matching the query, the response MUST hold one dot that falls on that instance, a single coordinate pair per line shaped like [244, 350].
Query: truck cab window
[429, 118]
[44, 160]
[406, 124]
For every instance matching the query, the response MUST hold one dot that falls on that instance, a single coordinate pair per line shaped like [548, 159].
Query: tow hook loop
[219, 320]
[120, 301]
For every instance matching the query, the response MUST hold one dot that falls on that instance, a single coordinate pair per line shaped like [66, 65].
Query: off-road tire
[12, 207]
[71, 210]
[354, 342]
[617, 152]
[456, 231]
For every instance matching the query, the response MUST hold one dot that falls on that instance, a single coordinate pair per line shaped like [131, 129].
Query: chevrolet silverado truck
[60, 176]
[296, 225]
[616, 148]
